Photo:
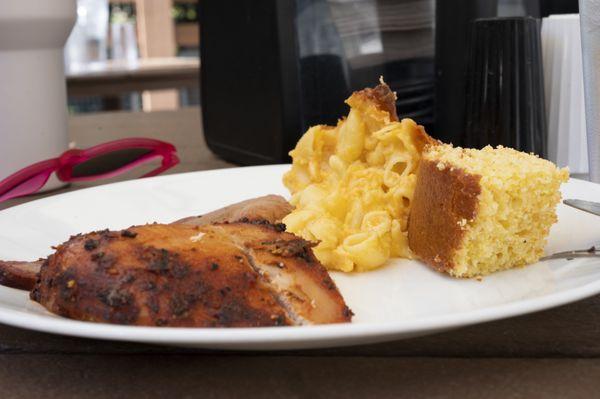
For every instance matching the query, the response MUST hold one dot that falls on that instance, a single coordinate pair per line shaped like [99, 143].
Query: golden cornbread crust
[444, 199]
[421, 139]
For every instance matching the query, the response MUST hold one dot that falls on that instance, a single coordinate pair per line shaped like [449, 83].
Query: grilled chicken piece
[243, 274]
[271, 208]
[191, 273]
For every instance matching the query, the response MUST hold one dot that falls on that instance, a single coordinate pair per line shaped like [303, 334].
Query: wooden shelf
[113, 77]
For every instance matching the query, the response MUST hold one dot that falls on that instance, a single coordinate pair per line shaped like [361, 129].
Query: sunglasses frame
[64, 164]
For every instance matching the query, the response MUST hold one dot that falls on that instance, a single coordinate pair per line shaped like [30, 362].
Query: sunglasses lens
[108, 162]
[28, 186]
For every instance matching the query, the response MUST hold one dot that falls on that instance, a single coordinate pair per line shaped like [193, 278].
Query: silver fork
[591, 252]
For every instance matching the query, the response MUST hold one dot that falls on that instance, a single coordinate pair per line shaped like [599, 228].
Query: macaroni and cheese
[352, 184]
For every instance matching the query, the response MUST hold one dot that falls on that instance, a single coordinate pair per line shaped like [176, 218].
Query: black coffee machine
[272, 68]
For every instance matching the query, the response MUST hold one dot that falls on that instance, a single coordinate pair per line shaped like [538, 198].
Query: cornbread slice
[475, 212]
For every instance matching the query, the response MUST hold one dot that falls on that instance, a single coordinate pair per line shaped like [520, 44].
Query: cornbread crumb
[486, 210]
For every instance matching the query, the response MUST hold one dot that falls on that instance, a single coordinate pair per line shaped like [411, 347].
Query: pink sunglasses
[98, 162]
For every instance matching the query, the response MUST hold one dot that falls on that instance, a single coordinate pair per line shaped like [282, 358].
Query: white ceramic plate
[403, 299]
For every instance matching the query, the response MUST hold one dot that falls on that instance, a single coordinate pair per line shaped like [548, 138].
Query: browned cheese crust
[381, 95]
[443, 200]
[185, 276]
[384, 99]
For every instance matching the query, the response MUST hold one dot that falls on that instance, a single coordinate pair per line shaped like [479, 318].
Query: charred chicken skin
[243, 273]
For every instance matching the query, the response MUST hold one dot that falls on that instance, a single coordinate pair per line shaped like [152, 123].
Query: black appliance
[272, 68]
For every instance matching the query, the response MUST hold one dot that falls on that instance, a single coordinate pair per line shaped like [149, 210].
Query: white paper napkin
[563, 85]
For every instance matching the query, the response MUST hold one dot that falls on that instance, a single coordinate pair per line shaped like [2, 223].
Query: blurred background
[286, 65]
[344, 45]
[133, 55]
[238, 82]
